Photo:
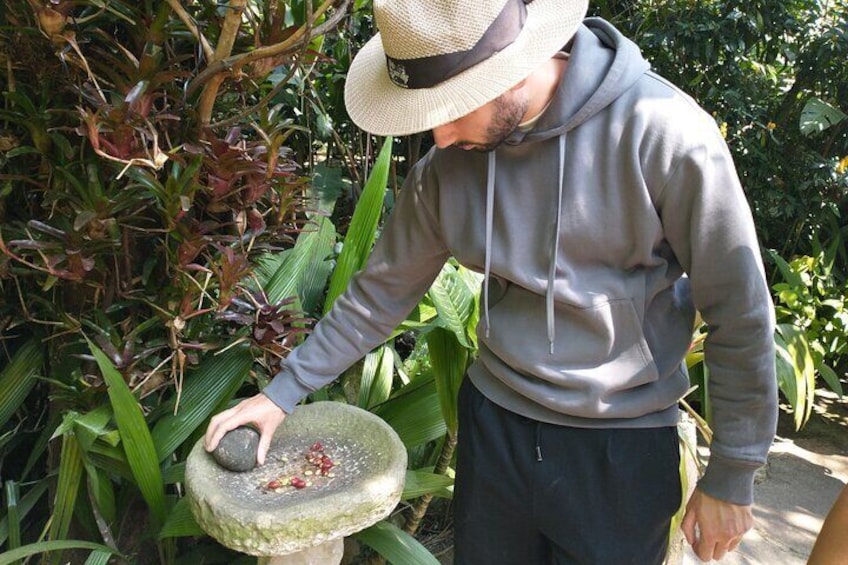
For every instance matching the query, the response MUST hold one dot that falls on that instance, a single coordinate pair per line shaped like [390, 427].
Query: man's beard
[509, 111]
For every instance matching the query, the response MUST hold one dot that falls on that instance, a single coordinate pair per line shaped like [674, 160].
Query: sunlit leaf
[363, 226]
[819, 115]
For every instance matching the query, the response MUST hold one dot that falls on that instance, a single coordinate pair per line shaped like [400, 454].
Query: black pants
[532, 493]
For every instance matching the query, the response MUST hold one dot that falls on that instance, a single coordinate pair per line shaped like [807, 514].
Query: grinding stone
[237, 449]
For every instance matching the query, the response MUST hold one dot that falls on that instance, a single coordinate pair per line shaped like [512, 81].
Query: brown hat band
[426, 72]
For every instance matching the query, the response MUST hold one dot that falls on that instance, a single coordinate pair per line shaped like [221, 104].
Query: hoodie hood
[603, 65]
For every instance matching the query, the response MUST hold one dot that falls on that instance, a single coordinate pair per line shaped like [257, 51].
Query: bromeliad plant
[143, 172]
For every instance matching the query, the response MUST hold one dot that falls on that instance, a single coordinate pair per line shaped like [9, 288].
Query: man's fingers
[216, 430]
[688, 526]
[264, 445]
[257, 411]
[705, 550]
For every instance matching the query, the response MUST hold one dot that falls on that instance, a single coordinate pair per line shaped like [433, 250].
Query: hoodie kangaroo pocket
[600, 350]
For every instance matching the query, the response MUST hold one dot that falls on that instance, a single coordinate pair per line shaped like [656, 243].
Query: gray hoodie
[599, 233]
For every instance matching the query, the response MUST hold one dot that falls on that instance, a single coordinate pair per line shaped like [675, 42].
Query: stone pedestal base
[328, 553]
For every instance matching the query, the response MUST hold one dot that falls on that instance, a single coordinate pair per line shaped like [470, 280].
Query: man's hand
[713, 527]
[258, 411]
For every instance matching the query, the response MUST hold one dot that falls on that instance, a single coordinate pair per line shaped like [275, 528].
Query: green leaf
[454, 302]
[377, 373]
[830, 377]
[13, 515]
[395, 545]
[98, 558]
[305, 268]
[135, 437]
[449, 360]
[70, 476]
[181, 522]
[795, 371]
[790, 275]
[418, 483]
[25, 504]
[363, 226]
[174, 474]
[818, 116]
[216, 380]
[18, 378]
[101, 491]
[415, 413]
[47, 546]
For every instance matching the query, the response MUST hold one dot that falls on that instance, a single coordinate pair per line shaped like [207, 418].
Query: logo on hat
[397, 73]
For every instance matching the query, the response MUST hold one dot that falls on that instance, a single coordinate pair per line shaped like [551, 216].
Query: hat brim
[377, 105]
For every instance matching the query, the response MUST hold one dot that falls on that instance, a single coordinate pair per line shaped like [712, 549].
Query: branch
[289, 45]
[186, 18]
[229, 32]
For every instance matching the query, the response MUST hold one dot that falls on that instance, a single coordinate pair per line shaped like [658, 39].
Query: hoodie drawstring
[554, 255]
[539, 441]
[490, 205]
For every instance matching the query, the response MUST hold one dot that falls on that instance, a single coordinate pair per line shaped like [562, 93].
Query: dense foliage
[177, 190]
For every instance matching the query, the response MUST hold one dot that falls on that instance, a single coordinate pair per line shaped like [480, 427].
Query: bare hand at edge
[258, 411]
[714, 527]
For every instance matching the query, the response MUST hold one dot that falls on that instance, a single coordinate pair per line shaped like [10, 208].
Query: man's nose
[444, 135]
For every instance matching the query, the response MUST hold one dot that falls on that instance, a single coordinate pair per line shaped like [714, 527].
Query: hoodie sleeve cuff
[728, 480]
[285, 391]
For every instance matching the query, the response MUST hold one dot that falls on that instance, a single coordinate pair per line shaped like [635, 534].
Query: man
[583, 187]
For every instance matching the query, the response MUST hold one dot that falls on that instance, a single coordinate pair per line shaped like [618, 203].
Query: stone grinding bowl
[364, 486]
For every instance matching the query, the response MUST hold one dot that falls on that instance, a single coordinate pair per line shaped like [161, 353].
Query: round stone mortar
[364, 486]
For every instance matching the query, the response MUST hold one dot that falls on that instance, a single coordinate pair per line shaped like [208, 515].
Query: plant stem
[419, 509]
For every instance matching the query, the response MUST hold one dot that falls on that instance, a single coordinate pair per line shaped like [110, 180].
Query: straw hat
[434, 61]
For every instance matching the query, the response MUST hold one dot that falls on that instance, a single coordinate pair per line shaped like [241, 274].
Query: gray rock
[237, 449]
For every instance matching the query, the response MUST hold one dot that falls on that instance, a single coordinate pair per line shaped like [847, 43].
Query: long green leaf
[794, 355]
[305, 267]
[48, 546]
[102, 492]
[449, 360]
[12, 513]
[18, 378]
[216, 380]
[830, 377]
[181, 522]
[135, 437]
[363, 226]
[377, 372]
[70, 476]
[395, 545]
[98, 558]
[418, 483]
[789, 274]
[40, 445]
[25, 504]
